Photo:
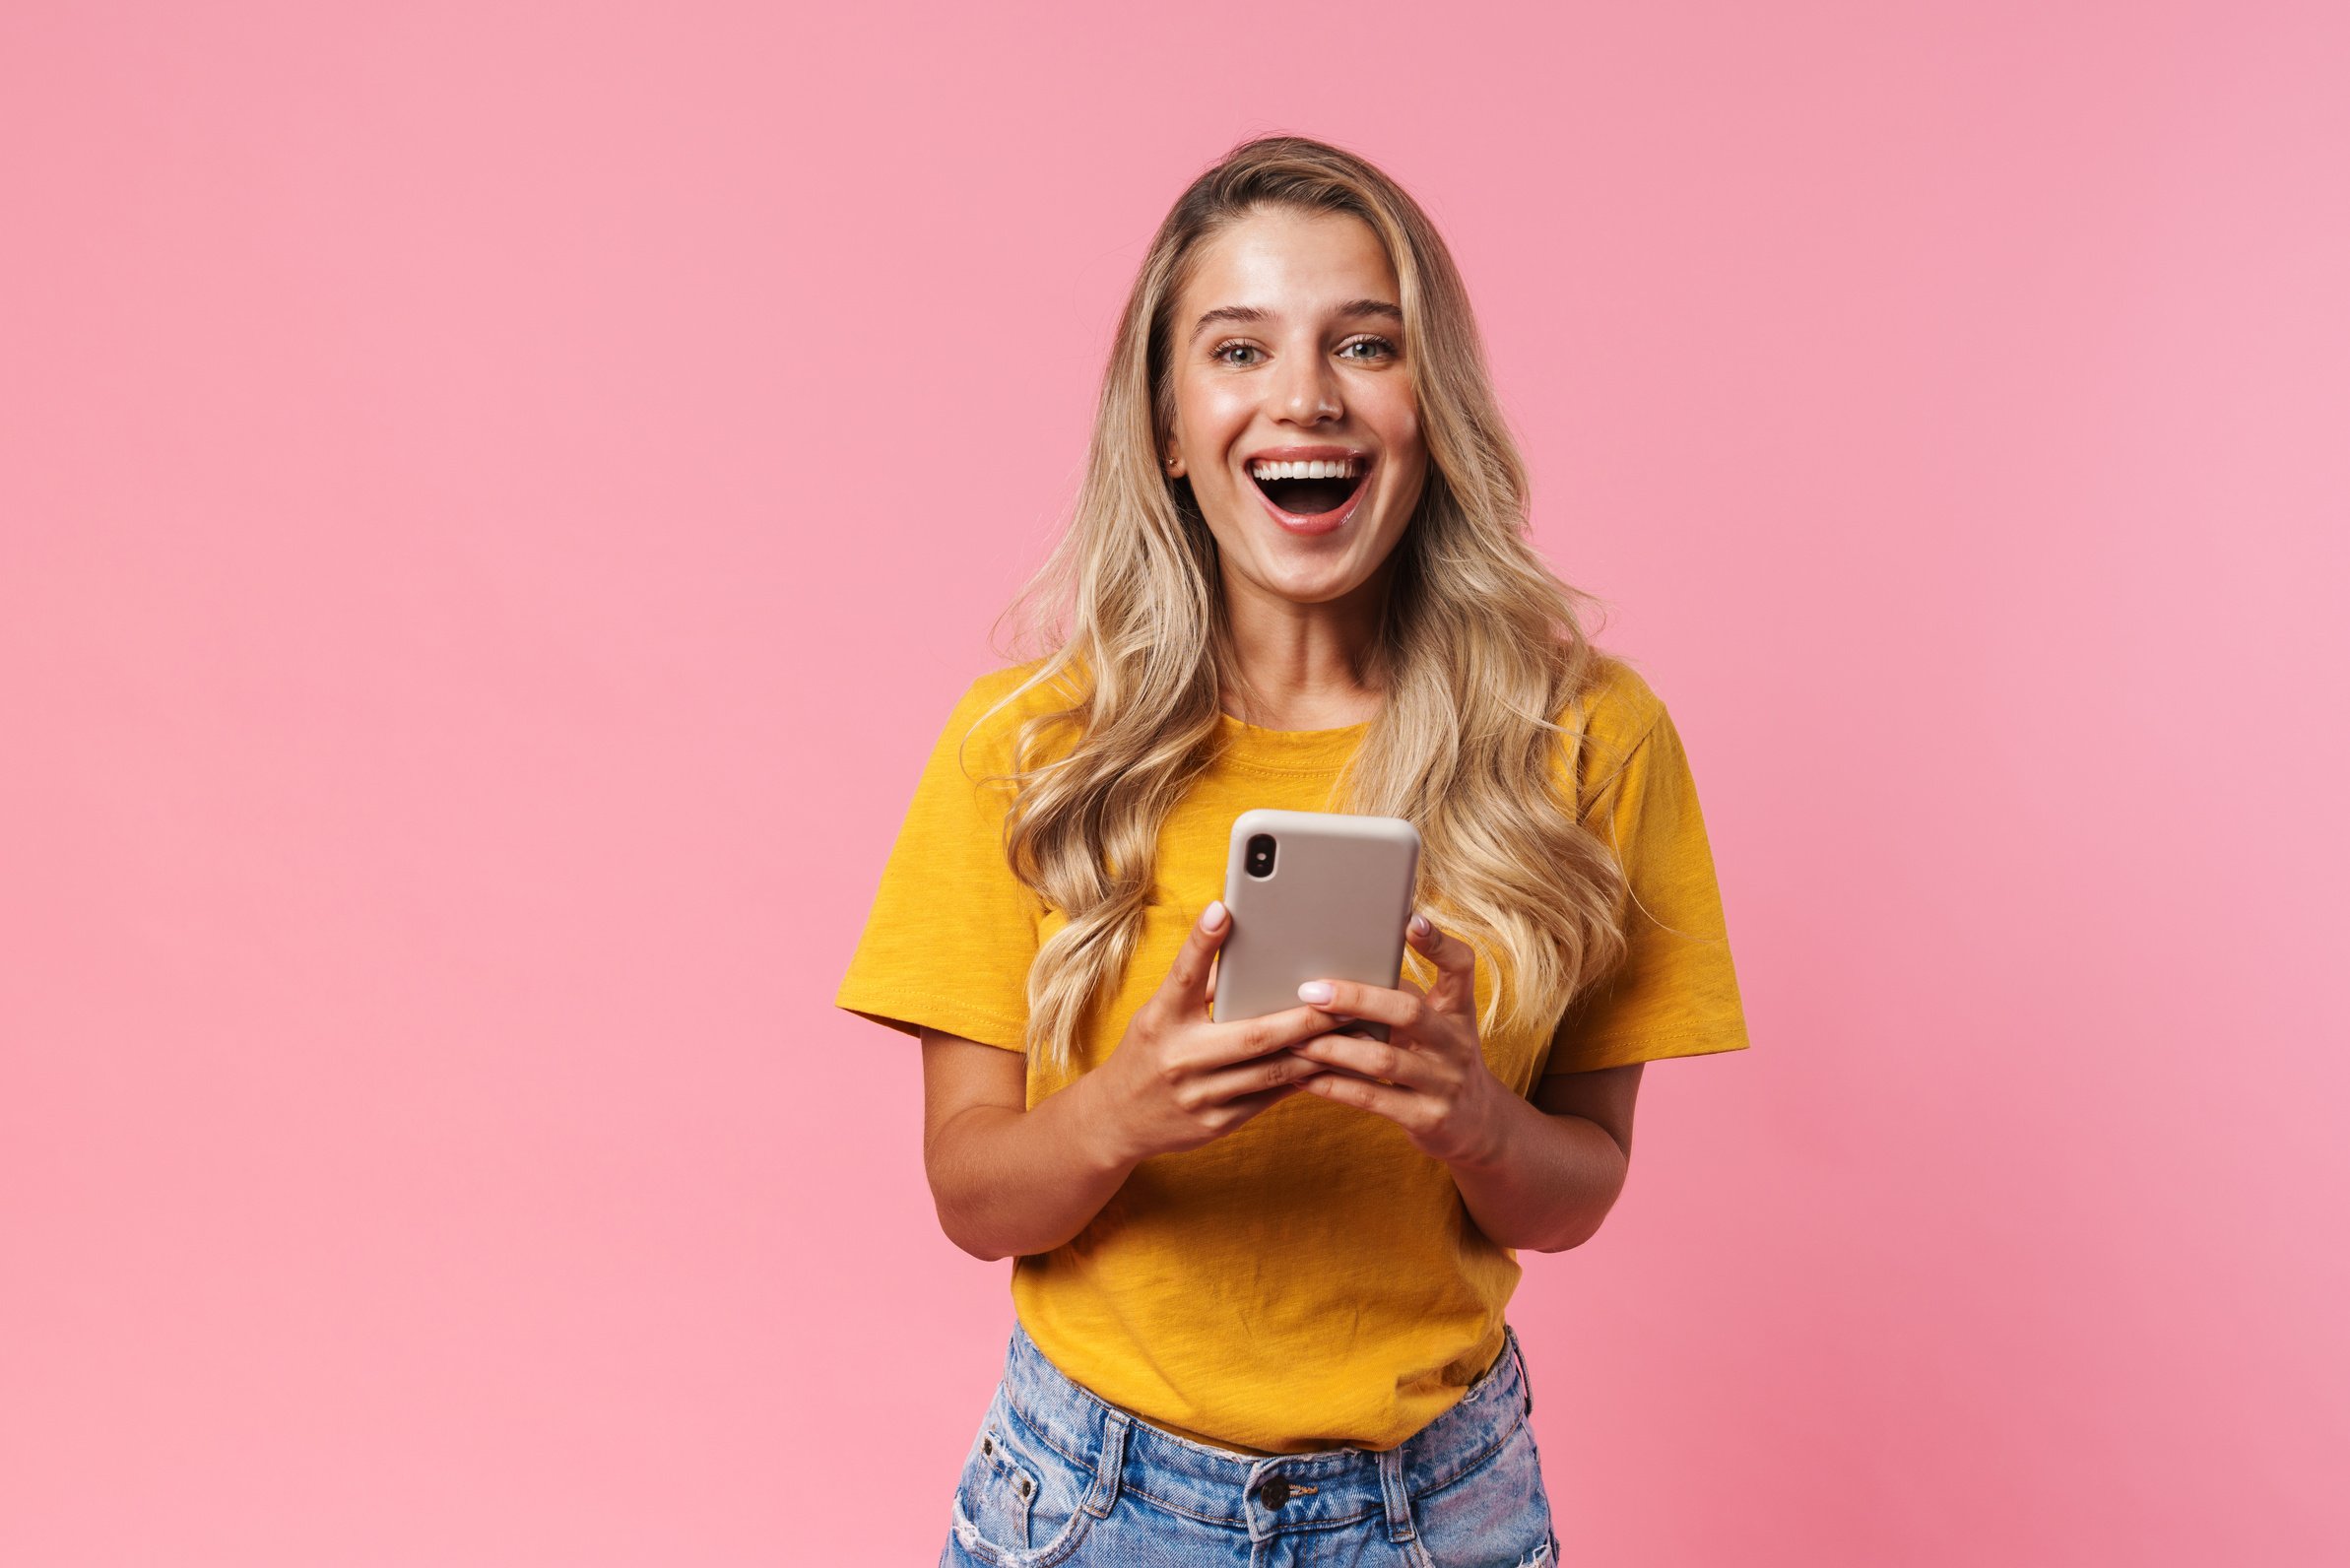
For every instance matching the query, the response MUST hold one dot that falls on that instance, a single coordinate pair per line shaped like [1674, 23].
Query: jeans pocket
[1018, 1503]
[1494, 1515]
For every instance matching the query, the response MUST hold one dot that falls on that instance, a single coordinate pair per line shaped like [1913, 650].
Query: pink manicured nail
[1315, 991]
[1420, 926]
[1212, 917]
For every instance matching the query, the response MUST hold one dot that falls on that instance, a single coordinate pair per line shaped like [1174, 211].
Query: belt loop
[1391, 1488]
[1108, 1466]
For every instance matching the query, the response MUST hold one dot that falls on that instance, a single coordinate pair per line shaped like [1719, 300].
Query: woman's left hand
[1440, 1090]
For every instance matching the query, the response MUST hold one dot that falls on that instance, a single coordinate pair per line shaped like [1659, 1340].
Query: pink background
[496, 501]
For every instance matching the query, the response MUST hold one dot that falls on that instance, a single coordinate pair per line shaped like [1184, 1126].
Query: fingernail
[1212, 917]
[1315, 991]
[1420, 926]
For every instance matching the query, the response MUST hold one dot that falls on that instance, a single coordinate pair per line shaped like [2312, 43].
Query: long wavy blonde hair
[1478, 650]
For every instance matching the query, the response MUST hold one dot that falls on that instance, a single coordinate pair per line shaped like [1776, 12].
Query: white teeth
[1343, 467]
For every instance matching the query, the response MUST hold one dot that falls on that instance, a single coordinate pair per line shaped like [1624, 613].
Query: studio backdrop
[496, 502]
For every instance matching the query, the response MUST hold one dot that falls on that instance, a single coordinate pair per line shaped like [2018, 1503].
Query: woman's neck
[1301, 667]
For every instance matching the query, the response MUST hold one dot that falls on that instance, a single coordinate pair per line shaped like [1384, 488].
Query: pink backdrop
[496, 502]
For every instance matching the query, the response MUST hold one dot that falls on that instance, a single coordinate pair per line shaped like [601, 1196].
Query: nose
[1306, 389]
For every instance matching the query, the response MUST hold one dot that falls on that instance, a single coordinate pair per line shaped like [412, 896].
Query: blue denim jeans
[1057, 1475]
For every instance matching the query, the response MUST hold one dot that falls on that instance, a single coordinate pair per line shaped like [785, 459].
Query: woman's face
[1289, 349]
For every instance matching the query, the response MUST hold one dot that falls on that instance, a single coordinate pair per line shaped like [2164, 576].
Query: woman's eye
[1384, 349]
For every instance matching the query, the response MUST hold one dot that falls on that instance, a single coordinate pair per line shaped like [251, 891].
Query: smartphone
[1313, 895]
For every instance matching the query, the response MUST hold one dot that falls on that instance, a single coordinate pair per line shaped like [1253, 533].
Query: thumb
[1188, 986]
[1454, 987]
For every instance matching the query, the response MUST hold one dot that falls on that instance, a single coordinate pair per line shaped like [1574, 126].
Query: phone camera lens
[1259, 855]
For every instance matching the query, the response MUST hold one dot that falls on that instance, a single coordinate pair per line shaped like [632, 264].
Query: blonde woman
[1260, 1267]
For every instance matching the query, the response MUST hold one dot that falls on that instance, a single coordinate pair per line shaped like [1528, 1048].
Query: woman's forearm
[1548, 1181]
[1011, 1182]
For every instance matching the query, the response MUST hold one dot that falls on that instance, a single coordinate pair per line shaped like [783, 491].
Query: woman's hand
[1178, 1078]
[1440, 1091]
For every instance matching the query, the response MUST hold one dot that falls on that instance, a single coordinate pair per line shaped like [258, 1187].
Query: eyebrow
[1352, 307]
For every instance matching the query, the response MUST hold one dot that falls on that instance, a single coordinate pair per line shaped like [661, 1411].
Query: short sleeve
[951, 931]
[1676, 993]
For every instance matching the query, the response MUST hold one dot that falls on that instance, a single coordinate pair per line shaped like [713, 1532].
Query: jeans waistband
[1315, 1489]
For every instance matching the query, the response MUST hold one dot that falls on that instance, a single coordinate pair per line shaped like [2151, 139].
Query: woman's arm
[1008, 1180]
[1559, 1164]
[1541, 1174]
[1012, 1181]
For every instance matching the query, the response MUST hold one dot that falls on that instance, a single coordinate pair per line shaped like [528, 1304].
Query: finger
[1281, 1067]
[1185, 990]
[1373, 1058]
[1456, 987]
[1249, 1105]
[1398, 1010]
[1401, 1106]
[1222, 1044]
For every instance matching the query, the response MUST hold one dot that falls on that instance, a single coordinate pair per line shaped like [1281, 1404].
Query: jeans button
[1274, 1492]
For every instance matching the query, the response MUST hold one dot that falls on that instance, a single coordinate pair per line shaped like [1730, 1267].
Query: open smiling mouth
[1312, 497]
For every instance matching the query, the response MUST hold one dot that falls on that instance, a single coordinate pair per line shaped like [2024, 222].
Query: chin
[1312, 587]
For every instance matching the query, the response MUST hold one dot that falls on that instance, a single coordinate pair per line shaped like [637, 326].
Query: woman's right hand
[1178, 1078]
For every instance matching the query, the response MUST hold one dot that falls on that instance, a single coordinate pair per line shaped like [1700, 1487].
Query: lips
[1312, 505]
[1310, 497]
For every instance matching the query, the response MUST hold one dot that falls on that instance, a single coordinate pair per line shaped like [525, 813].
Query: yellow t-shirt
[1308, 1279]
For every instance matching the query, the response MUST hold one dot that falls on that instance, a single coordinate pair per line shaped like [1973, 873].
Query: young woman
[1260, 1267]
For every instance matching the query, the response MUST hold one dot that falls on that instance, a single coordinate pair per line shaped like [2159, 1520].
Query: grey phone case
[1332, 908]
